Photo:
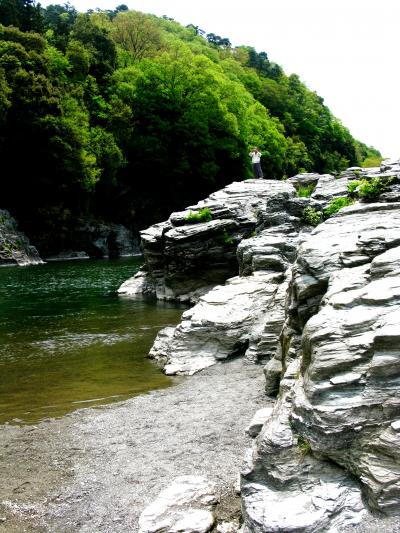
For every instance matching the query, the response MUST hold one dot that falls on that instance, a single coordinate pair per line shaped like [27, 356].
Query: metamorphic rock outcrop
[319, 308]
[14, 245]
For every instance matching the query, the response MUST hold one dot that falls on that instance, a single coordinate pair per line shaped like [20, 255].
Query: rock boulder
[14, 245]
[185, 506]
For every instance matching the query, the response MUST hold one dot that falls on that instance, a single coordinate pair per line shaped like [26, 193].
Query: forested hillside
[125, 117]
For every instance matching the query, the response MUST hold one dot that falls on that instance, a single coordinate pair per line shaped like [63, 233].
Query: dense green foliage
[372, 160]
[124, 116]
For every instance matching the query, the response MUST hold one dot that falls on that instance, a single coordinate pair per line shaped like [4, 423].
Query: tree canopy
[124, 116]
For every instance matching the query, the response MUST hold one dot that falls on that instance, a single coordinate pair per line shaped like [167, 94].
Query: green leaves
[312, 216]
[336, 205]
[305, 191]
[369, 189]
[4, 96]
[119, 113]
[204, 215]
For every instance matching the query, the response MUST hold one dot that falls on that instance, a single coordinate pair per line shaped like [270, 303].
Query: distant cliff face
[98, 239]
[91, 239]
[322, 308]
[14, 245]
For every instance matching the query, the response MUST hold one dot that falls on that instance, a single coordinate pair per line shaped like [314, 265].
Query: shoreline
[96, 469]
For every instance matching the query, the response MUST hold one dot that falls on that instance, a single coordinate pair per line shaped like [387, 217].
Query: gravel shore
[96, 469]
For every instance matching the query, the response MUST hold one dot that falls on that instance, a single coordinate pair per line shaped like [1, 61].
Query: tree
[99, 44]
[216, 40]
[4, 97]
[61, 161]
[103, 101]
[196, 29]
[23, 14]
[111, 13]
[136, 34]
[79, 59]
[59, 20]
[191, 128]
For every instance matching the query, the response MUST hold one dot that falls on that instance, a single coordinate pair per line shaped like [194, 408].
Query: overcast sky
[345, 50]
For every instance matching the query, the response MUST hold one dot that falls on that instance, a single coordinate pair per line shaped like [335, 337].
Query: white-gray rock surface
[285, 488]
[185, 260]
[185, 506]
[323, 308]
[339, 353]
[220, 325]
[258, 420]
[329, 188]
[346, 401]
[14, 245]
[103, 239]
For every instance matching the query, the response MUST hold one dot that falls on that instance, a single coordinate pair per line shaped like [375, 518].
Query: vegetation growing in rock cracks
[204, 215]
[305, 191]
[312, 216]
[336, 205]
[123, 116]
[226, 238]
[304, 445]
[352, 187]
[369, 189]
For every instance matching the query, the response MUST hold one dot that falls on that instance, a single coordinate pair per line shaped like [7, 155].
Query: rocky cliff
[105, 239]
[98, 239]
[184, 259]
[321, 308]
[14, 245]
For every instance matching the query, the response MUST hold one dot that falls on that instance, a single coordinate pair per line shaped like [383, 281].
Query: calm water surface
[67, 340]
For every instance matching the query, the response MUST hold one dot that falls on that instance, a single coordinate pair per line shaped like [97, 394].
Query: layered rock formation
[322, 308]
[338, 409]
[183, 260]
[14, 245]
[91, 240]
[228, 321]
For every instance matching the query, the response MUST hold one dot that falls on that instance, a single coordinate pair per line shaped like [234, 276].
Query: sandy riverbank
[96, 469]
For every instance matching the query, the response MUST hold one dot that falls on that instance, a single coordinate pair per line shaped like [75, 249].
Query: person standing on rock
[255, 155]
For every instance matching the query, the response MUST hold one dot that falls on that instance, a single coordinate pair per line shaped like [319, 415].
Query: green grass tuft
[305, 191]
[204, 215]
[336, 205]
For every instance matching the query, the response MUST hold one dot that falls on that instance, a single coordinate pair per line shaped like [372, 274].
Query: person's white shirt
[255, 156]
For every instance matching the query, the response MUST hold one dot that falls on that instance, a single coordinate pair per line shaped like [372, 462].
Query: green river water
[67, 340]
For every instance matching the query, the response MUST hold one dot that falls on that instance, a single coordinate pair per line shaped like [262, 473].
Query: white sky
[345, 50]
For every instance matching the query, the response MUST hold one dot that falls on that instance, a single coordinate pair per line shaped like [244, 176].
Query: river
[67, 340]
